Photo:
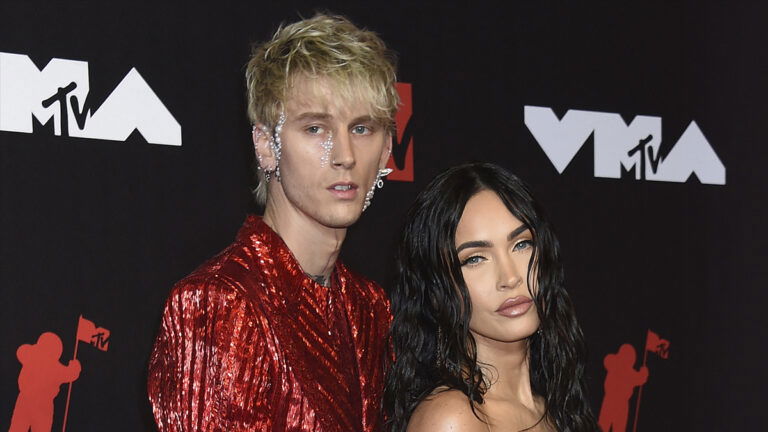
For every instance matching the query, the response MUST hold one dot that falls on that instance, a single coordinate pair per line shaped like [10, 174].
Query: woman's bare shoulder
[443, 411]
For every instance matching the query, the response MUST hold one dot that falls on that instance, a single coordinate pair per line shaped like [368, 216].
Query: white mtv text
[60, 92]
[633, 146]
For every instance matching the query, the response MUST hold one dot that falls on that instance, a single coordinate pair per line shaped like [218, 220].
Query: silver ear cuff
[275, 143]
[378, 183]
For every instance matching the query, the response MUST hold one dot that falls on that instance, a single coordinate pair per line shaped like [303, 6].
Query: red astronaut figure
[40, 378]
[620, 382]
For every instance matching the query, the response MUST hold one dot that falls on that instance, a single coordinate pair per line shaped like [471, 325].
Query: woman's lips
[344, 191]
[515, 306]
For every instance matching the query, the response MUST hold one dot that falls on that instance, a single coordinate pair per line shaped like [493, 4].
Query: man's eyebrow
[313, 116]
[362, 119]
[517, 231]
[473, 244]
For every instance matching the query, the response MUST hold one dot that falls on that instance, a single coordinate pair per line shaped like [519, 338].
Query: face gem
[327, 146]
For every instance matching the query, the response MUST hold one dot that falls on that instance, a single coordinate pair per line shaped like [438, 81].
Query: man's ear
[386, 151]
[265, 153]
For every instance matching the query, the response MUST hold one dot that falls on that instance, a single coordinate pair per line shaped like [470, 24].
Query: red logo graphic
[40, 378]
[622, 378]
[42, 375]
[401, 161]
[88, 332]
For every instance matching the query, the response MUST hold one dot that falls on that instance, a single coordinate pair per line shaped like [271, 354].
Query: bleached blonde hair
[356, 63]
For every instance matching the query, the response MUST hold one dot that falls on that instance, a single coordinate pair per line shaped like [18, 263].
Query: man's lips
[343, 190]
[515, 306]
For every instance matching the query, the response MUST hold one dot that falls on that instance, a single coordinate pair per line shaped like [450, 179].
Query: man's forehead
[321, 95]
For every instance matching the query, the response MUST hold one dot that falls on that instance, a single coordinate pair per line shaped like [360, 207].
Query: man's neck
[314, 246]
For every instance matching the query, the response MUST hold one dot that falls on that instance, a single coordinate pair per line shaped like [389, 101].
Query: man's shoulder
[445, 410]
[231, 271]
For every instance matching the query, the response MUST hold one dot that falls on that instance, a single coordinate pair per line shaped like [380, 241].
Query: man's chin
[340, 221]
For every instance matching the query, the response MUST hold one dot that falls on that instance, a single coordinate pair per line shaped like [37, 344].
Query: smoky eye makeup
[472, 260]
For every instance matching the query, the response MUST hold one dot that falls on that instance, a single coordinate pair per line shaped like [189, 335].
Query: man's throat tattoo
[320, 279]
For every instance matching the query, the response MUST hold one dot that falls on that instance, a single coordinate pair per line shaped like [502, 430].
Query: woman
[484, 334]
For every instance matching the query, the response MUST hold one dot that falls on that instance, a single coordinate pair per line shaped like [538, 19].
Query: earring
[377, 183]
[277, 144]
[260, 132]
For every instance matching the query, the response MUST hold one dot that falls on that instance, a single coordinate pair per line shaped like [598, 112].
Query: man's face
[331, 153]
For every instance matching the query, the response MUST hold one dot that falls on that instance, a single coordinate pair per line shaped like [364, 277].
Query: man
[274, 333]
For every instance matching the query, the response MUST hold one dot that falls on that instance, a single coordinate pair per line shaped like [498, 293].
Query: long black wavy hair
[430, 301]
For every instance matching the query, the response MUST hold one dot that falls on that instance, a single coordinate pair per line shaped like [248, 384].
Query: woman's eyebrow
[486, 244]
[517, 231]
[473, 244]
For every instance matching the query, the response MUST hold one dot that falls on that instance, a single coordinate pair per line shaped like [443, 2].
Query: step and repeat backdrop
[125, 162]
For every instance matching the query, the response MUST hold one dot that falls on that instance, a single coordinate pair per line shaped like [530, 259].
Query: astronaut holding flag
[98, 337]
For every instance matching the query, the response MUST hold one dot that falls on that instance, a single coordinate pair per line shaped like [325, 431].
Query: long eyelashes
[522, 245]
[472, 260]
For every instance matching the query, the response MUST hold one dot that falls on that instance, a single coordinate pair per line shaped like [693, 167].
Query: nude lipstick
[515, 306]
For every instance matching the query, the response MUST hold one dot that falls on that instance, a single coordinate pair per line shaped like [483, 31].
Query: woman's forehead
[486, 215]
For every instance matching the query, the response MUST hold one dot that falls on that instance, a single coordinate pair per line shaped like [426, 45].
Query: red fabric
[249, 342]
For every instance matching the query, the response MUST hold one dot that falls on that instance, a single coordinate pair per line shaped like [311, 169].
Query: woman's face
[494, 250]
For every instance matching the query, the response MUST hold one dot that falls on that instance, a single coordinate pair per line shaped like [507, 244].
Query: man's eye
[522, 245]
[314, 130]
[361, 130]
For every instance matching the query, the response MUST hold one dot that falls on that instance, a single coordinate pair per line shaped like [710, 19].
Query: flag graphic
[657, 345]
[88, 332]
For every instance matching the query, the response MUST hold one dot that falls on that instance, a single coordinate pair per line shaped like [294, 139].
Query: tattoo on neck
[320, 279]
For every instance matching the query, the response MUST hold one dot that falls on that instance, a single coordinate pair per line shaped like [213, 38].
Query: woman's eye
[473, 260]
[522, 245]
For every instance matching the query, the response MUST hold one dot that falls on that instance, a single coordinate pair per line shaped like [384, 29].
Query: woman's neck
[508, 371]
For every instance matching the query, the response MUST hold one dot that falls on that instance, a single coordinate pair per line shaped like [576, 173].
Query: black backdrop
[103, 228]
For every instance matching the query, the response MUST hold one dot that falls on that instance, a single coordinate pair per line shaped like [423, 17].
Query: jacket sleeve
[209, 369]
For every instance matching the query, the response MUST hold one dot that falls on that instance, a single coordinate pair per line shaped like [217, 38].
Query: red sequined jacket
[249, 342]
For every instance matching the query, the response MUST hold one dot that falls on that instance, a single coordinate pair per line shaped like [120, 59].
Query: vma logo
[624, 148]
[60, 92]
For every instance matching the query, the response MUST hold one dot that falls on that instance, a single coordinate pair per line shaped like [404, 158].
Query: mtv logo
[60, 92]
[633, 146]
[401, 160]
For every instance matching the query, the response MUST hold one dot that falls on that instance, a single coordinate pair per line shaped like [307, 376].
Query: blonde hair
[355, 61]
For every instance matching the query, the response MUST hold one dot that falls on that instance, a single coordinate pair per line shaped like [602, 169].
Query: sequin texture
[249, 342]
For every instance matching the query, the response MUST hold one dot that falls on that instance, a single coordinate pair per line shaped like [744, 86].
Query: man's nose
[343, 155]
